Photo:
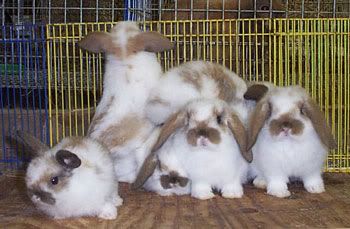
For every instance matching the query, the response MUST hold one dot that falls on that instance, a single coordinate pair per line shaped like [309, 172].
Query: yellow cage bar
[314, 53]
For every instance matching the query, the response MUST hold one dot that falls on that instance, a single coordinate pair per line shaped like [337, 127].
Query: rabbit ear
[97, 42]
[68, 159]
[260, 114]
[312, 110]
[150, 42]
[255, 92]
[175, 122]
[36, 147]
[239, 132]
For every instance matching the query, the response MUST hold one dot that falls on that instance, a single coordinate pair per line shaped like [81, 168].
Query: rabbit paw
[278, 189]
[232, 191]
[259, 182]
[108, 211]
[314, 185]
[117, 200]
[202, 192]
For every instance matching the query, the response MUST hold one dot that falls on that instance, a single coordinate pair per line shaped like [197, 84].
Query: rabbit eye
[219, 119]
[54, 180]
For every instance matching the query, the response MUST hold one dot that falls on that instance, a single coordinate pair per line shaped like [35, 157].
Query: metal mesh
[314, 53]
[23, 87]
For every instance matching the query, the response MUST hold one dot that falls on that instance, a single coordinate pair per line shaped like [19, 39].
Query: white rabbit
[194, 80]
[131, 71]
[289, 137]
[203, 143]
[74, 178]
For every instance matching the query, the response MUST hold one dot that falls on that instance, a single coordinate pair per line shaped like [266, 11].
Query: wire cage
[23, 86]
[282, 41]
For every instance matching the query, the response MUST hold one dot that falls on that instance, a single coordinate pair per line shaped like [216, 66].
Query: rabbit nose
[202, 133]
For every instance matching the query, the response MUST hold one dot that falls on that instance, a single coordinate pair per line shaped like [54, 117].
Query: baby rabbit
[203, 142]
[131, 72]
[194, 80]
[289, 137]
[74, 178]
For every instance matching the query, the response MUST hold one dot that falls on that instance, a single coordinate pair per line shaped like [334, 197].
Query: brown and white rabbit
[194, 80]
[204, 142]
[289, 137]
[131, 72]
[72, 179]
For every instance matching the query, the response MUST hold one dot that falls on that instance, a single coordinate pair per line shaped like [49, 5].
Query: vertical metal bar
[3, 12]
[65, 11]
[334, 8]
[113, 10]
[97, 6]
[302, 8]
[81, 12]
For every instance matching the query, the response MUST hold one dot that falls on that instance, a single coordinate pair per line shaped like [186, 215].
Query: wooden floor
[147, 210]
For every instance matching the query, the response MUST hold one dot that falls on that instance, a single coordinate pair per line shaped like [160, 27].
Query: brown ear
[239, 132]
[312, 110]
[36, 147]
[175, 122]
[257, 119]
[68, 159]
[150, 42]
[255, 92]
[96, 42]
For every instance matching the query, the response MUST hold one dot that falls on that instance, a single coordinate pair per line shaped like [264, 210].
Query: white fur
[175, 92]
[277, 158]
[92, 188]
[129, 81]
[218, 166]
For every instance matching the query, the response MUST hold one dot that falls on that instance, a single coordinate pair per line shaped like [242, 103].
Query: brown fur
[68, 159]
[192, 77]
[213, 135]
[158, 100]
[239, 132]
[97, 42]
[257, 121]
[36, 147]
[312, 110]
[150, 42]
[45, 197]
[173, 178]
[97, 119]
[174, 122]
[121, 132]
[256, 92]
[286, 121]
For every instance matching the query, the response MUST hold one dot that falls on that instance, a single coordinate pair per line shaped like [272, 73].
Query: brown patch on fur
[149, 42]
[226, 85]
[312, 110]
[239, 132]
[212, 134]
[120, 133]
[73, 142]
[286, 121]
[97, 119]
[158, 100]
[97, 42]
[45, 197]
[191, 77]
[45, 180]
[173, 123]
[257, 120]
[173, 178]
[255, 92]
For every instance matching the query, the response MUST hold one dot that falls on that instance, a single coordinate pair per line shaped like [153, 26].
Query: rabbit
[205, 142]
[194, 80]
[72, 179]
[131, 72]
[289, 137]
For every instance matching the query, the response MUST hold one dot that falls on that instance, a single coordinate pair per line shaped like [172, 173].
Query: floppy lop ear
[312, 110]
[97, 42]
[255, 92]
[175, 122]
[68, 159]
[149, 42]
[239, 132]
[35, 146]
[257, 120]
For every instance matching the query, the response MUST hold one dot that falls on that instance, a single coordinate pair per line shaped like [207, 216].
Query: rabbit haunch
[289, 137]
[62, 181]
[193, 80]
[131, 71]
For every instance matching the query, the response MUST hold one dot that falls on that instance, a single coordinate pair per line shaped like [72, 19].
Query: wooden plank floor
[147, 210]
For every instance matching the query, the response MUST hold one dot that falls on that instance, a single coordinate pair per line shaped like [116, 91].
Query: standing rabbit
[131, 72]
